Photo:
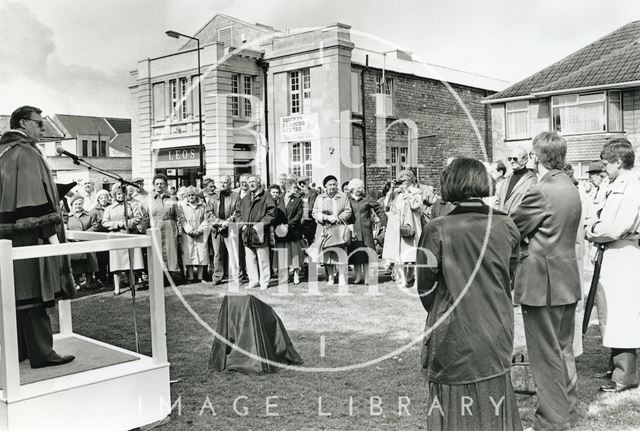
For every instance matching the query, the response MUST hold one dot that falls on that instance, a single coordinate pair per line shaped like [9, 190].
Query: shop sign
[299, 127]
[179, 154]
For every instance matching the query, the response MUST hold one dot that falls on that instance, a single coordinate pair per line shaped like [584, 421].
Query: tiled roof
[122, 143]
[51, 133]
[76, 125]
[120, 125]
[611, 59]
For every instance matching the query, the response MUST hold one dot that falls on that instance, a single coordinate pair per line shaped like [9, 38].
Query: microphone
[60, 151]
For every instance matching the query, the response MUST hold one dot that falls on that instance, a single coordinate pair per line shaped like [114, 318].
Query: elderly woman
[404, 226]
[83, 264]
[163, 213]
[469, 331]
[365, 210]
[195, 230]
[114, 221]
[288, 230]
[331, 211]
[103, 199]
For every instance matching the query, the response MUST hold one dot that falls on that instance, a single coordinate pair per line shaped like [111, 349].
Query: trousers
[35, 338]
[258, 266]
[549, 332]
[231, 243]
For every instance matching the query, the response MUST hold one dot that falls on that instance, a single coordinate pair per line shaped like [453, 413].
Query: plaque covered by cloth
[249, 325]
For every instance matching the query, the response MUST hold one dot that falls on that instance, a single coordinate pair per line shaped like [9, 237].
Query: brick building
[311, 102]
[589, 97]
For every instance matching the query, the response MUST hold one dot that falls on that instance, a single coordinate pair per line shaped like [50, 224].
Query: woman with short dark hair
[464, 266]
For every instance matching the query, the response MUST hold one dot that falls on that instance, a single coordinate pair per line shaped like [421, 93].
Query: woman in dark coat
[288, 231]
[469, 331]
[362, 248]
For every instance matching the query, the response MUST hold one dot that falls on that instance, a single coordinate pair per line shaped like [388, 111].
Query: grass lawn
[356, 328]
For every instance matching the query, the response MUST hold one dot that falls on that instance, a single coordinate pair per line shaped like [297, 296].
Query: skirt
[119, 260]
[360, 254]
[83, 263]
[485, 405]
[295, 253]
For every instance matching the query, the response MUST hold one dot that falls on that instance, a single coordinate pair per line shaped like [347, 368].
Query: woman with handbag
[331, 211]
[465, 261]
[404, 226]
[362, 248]
[195, 228]
[288, 231]
[82, 264]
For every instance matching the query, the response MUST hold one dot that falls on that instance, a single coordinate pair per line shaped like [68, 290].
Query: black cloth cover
[253, 326]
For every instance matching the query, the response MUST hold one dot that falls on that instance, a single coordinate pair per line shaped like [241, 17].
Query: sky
[74, 56]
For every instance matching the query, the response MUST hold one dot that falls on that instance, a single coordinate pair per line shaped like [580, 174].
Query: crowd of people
[495, 237]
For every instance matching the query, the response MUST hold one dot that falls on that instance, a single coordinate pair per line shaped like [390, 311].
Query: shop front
[180, 165]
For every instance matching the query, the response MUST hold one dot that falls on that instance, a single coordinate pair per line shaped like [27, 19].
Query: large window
[241, 84]
[300, 92]
[387, 88]
[103, 149]
[398, 159]
[356, 94]
[587, 113]
[94, 148]
[384, 96]
[158, 102]
[178, 93]
[300, 157]
[517, 119]
[85, 147]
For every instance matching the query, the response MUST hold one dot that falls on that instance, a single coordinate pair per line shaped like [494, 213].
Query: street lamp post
[176, 35]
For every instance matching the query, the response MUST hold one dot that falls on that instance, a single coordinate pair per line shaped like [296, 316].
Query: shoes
[264, 287]
[330, 281]
[358, 280]
[251, 286]
[203, 281]
[296, 278]
[606, 375]
[217, 281]
[54, 360]
[616, 387]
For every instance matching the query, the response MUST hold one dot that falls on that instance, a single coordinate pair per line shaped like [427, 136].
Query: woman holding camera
[404, 226]
[331, 210]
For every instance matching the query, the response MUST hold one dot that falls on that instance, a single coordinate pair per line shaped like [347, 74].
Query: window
[235, 89]
[356, 94]
[247, 89]
[398, 159]
[300, 92]
[158, 102]
[384, 89]
[103, 148]
[225, 35]
[301, 164]
[94, 148]
[615, 112]
[247, 84]
[85, 147]
[178, 90]
[517, 119]
[579, 113]
[194, 93]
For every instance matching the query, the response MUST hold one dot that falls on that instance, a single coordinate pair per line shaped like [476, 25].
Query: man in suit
[242, 191]
[220, 211]
[516, 184]
[547, 282]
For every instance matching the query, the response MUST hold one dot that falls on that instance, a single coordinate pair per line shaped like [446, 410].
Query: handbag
[338, 235]
[406, 229]
[521, 377]
[282, 230]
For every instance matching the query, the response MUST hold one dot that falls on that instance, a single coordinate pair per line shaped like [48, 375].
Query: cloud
[32, 73]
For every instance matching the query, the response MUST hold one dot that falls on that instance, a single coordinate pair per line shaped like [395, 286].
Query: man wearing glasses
[517, 183]
[30, 215]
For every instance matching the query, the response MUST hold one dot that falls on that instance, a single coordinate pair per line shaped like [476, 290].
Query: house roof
[190, 44]
[51, 132]
[401, 62]
[120, 125]
[610, 60]
[74, 125]
[122, 143]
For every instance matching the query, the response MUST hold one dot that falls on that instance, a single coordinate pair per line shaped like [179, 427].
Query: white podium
[105, 387]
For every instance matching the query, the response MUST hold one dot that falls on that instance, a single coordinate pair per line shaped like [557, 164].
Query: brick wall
[444, 128]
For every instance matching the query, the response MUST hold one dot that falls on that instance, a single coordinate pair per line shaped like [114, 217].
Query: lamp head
[173, 34]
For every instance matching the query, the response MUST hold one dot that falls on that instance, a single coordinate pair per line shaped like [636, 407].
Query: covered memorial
[251, 338]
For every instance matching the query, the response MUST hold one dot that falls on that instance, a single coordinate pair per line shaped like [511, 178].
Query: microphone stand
[132, 286]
